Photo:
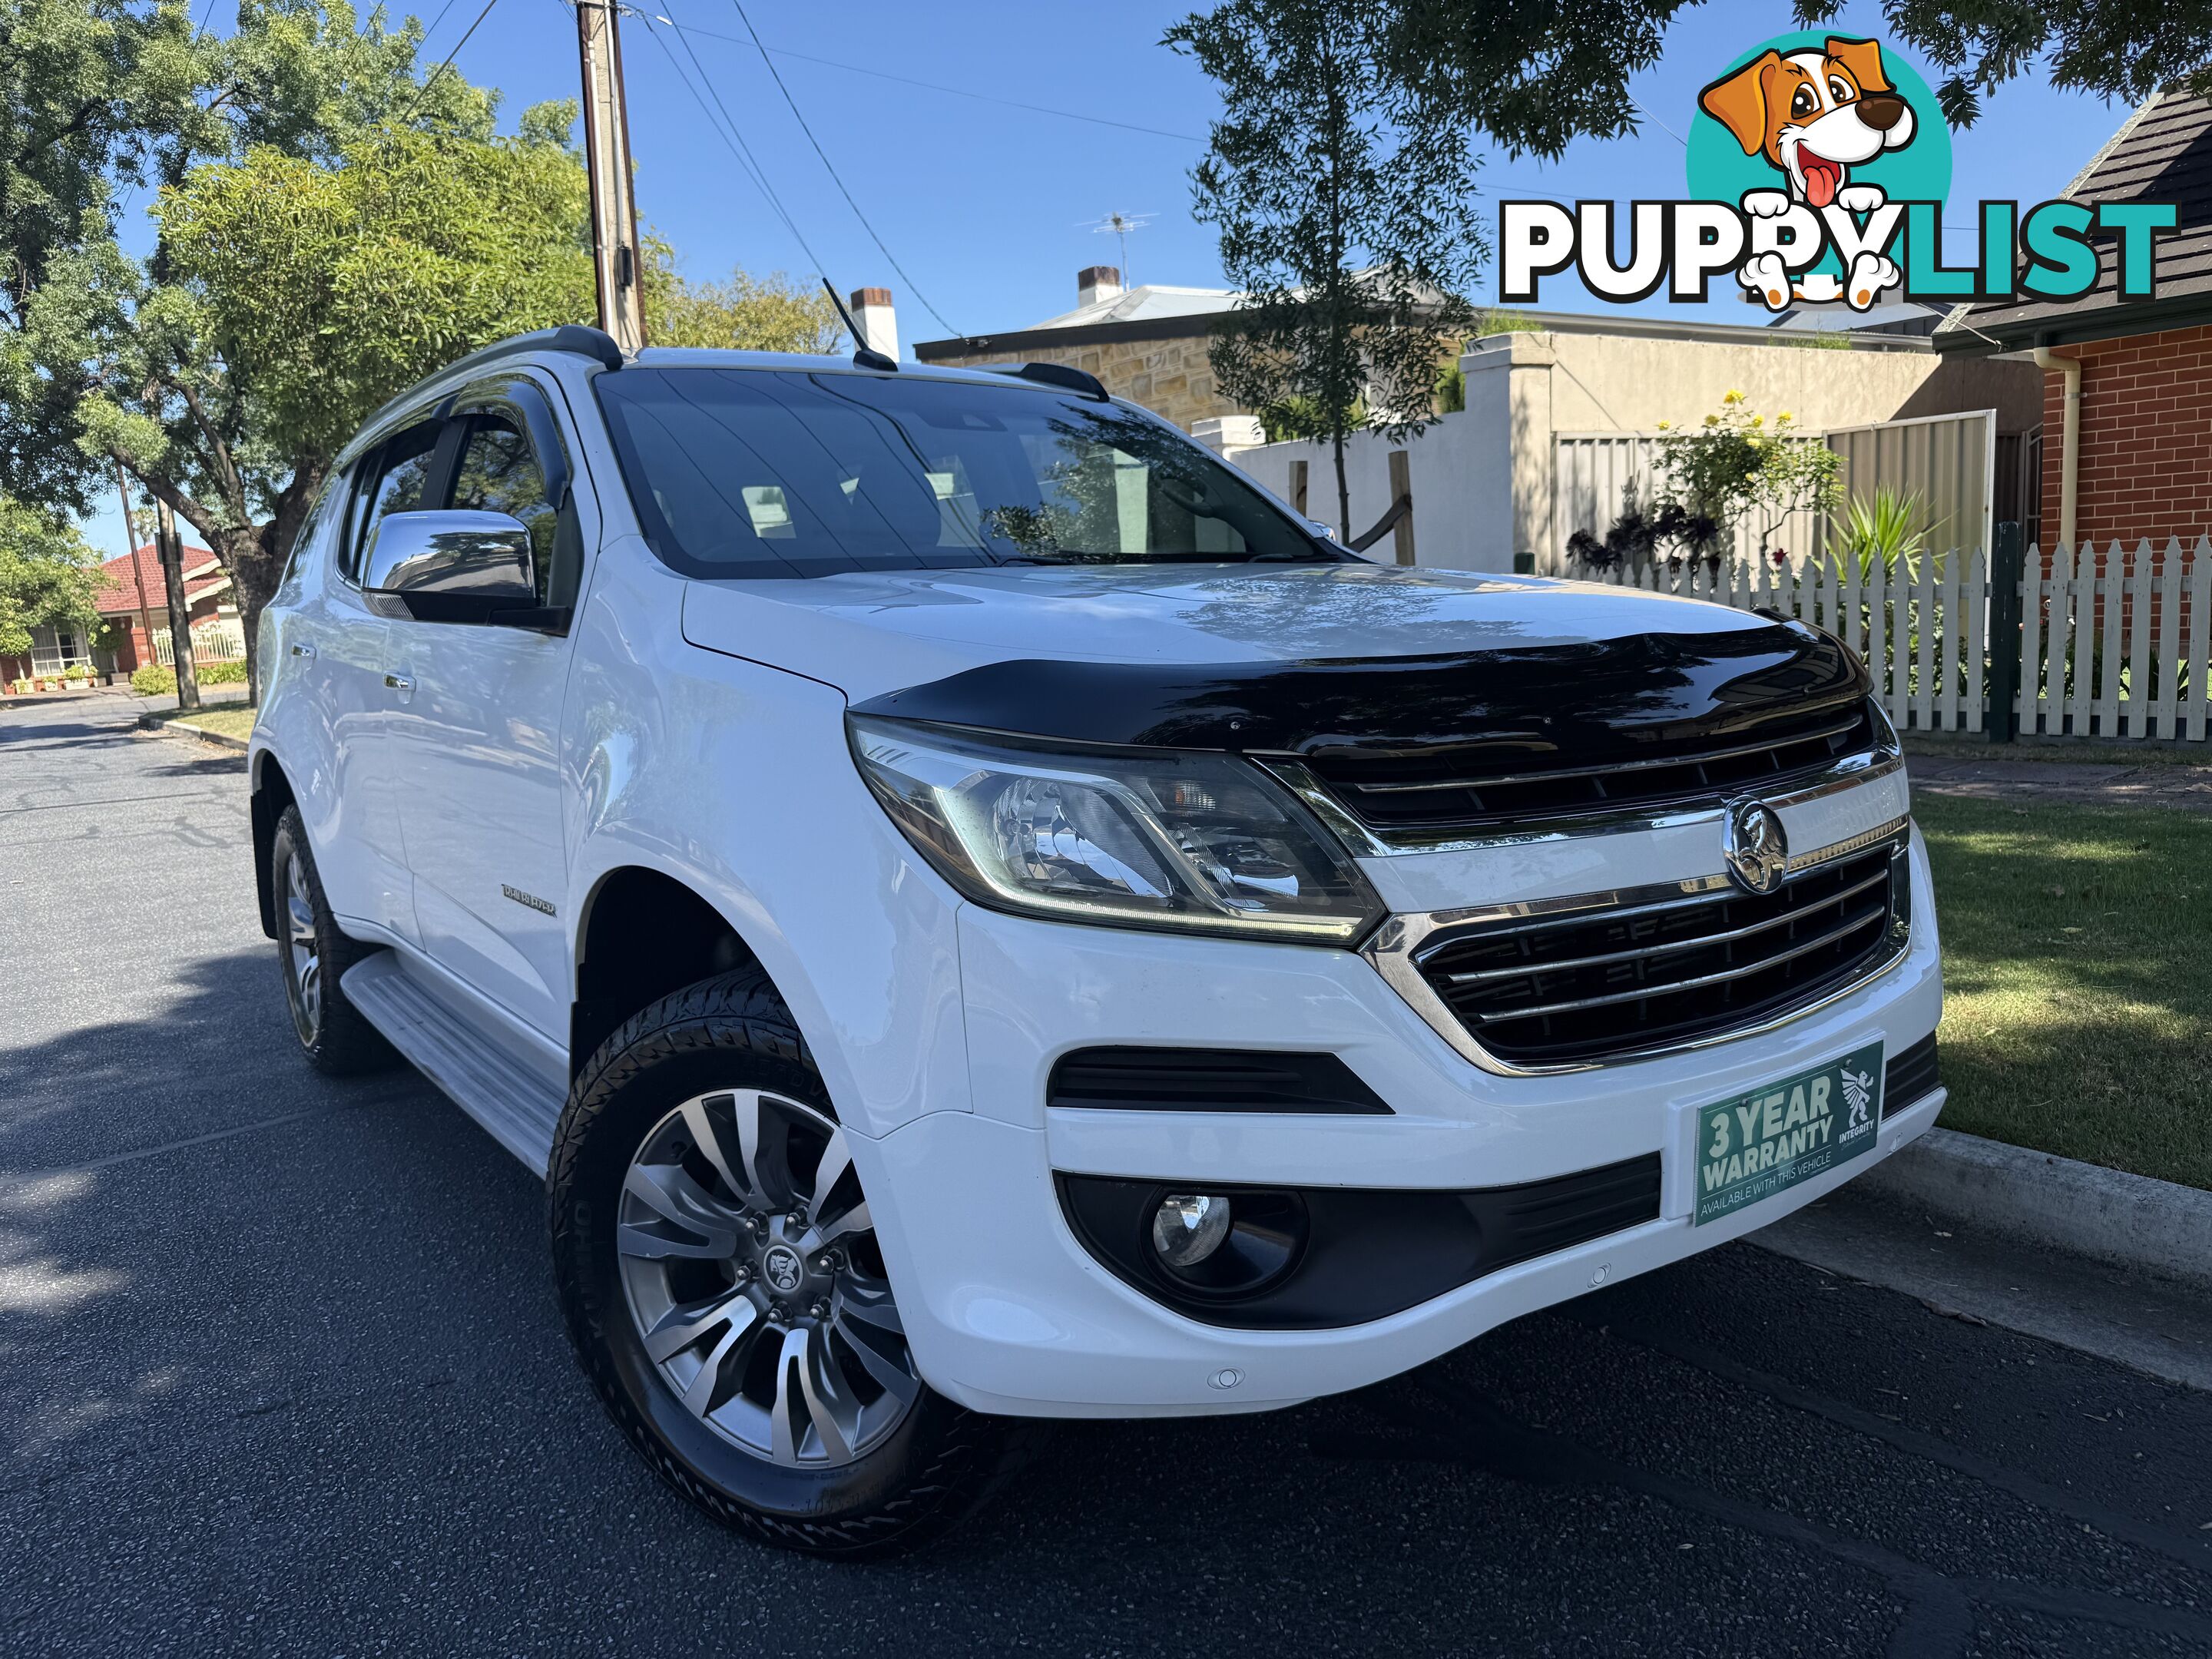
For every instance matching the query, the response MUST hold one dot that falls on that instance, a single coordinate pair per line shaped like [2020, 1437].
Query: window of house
[53, 649]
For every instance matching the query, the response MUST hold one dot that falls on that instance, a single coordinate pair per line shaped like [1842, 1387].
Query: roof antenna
[863, 354]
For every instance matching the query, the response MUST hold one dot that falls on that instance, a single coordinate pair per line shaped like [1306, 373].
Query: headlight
[1202, 843]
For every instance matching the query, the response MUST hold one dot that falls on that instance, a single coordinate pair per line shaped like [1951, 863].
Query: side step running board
[492, 1085]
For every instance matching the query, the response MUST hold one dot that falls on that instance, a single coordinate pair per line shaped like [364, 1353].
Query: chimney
[1097, 283]
[879, 324]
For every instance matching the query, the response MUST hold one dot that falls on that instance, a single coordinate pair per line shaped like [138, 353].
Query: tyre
[726, 1295]
[315, 956]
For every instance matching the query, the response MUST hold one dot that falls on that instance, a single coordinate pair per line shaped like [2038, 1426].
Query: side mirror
[444, 566]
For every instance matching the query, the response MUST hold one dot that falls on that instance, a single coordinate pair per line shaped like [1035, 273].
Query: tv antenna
[1119, 225]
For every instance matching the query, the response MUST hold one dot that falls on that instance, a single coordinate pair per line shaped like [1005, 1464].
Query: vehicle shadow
[274, 1342]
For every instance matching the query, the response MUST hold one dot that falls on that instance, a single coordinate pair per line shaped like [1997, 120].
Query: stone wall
[1171, 377]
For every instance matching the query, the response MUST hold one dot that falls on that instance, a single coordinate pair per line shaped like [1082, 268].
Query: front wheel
[725, 1291]
[314, 955]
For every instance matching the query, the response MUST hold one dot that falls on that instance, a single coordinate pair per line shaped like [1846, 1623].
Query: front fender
[735, 780]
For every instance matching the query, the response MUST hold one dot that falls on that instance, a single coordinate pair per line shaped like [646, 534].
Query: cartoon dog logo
[1814, 116]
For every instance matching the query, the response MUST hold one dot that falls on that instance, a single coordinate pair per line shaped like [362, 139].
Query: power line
[434, 21]
[444, 64]
[733, 140]
[913, 287]
[938, 86]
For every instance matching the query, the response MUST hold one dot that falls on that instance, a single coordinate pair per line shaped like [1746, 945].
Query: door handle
[303, 650]
[398, 683]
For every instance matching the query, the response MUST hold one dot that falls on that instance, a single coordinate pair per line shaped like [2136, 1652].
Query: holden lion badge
[1754, 847]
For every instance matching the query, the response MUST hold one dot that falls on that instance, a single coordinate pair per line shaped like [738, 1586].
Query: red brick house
[207, 592]
[2136, 461]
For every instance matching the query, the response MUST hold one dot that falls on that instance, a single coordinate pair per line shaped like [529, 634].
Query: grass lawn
[234, 719]
[2077, 969]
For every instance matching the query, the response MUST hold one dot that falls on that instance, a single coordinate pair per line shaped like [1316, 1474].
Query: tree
[160, 364]
[47, 576]
[332, 226]
[298, 295]
[1348, 220]
[1735, 465]
[98, 99]
[743, 313]
[1536, 76]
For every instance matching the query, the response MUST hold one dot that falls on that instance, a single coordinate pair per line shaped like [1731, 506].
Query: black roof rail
[575, 339]
[1058, 374]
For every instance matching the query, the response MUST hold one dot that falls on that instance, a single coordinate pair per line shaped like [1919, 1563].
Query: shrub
[155, 681]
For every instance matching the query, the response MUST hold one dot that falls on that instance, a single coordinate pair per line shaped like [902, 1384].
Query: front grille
[1596, 985]
[1468, 787]
[1910, 1076]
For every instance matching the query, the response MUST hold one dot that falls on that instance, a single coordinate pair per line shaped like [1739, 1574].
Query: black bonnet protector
[1600, 699]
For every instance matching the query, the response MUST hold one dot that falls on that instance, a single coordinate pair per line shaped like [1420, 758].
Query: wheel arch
[272, 793]
[641, 933]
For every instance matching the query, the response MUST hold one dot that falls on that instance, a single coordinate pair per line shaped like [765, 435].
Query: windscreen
[775, 473]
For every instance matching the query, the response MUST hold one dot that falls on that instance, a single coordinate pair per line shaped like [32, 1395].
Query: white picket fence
[220, 640]
[2111, 645]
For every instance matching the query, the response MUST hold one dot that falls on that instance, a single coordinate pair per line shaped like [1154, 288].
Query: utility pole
[138, 570]
[616, 258]
[180, 615]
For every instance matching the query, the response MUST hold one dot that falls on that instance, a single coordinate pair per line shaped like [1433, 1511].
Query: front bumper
[1007, 1311]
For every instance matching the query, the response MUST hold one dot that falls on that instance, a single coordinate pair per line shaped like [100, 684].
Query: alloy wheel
[751, 1270]
[303, 956]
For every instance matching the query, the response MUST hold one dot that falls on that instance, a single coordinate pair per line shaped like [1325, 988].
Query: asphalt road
[281, 1372]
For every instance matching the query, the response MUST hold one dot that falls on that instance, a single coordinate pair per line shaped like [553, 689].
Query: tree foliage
[1536, 77]
[1736, 466]
[332, 225]
[322, 291]
[1347, 219]
[743, 312]
[48, 577]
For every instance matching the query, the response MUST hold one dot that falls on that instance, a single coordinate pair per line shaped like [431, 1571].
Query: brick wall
[2146, 459]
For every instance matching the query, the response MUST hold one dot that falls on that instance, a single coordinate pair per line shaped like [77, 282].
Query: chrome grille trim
[1610, 770]
[1363, 841]
[1398, 943]
[1844, 848]
[1699, 943]
[1383, 814]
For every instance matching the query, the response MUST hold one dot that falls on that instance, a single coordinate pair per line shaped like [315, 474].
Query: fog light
[1188, 1227]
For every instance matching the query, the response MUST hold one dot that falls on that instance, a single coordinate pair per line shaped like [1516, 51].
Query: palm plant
[1885, 527]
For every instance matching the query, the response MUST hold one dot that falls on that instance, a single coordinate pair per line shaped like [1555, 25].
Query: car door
[475, 743]
[361, 854]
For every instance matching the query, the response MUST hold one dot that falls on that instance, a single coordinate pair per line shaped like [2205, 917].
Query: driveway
[281, 1372]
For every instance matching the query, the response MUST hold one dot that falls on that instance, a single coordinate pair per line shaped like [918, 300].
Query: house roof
[1149, 303]
[2162, 153]
[1159, 313]
[118, 592]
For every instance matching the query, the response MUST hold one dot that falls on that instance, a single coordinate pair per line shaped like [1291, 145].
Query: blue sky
[985, 204]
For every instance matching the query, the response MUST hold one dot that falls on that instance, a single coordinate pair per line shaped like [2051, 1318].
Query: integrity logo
[1818, 167]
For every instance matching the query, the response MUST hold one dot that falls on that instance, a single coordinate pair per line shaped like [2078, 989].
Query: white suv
[979, 913]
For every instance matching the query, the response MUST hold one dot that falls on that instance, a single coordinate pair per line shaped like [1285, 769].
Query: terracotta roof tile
[119, 594]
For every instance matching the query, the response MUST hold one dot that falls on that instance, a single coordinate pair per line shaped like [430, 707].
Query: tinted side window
[395, 484]
[498, 472]
[309, 539]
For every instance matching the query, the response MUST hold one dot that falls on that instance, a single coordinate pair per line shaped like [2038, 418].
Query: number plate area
[1767, 1141]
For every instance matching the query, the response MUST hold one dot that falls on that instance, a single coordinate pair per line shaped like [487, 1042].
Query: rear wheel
[315, 956]
[723, 1287]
